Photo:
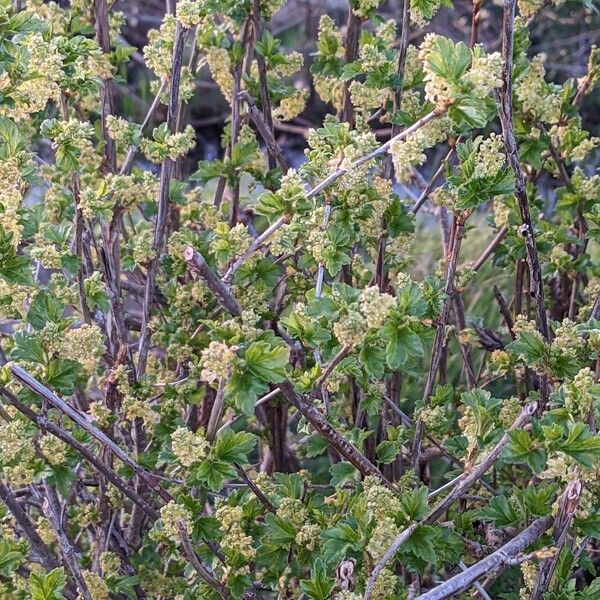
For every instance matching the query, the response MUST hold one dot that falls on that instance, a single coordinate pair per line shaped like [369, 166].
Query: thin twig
[203, 570]
[163, 203]
[470, 478]
[216, 412]
[198, 266]
[500, 235]
[386, 558]
[440, 333]
[66, 547]
[332, 177]
[255, 489]
[331, 365]
[39, 548]
[320, 423]
[266, 131]
[46, 425]
[41, 390]
[510, 144]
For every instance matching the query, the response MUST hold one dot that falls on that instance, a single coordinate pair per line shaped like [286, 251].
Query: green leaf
[589, 526]
[449, 60]
[44, 309]
[398, 218]
[521, 449]
[27, 348]
[10, 557]
[270, 205]
[335, 254]
[537, 499]
[61, 375]
[315, 446]
[279, 532]
[319, 586]
[372, 358]
[343, 472]
[529, 347]
[421, 544]
[233, 447]
[13, 268]
[499, 512]
[470, 111]
[266, 363]
[214, 473]
[386, 452]
[47, 586]
[414, 503]
[402, 344]
[582, 445]
[340, 539]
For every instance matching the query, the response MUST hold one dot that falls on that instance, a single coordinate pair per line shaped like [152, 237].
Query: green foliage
[179, 465]
[48, 586]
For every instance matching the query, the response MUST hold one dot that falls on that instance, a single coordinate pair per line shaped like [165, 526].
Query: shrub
[240, 382]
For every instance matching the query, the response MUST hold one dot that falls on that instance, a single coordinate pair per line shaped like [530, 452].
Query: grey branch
[502, 556]
[200, 568]
[41, 390]
[469, 478]
[197, 265]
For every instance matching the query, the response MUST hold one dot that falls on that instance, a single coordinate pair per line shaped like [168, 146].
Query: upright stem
[163, 204]
[440, 332]
[510, 145]
[353, 27]
[265, 100]
[536, 283]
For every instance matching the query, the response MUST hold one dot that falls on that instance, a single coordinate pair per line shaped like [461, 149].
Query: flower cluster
[173, 518]
[234, 538]
[485, 72]
[219, 62]
[490, 156]
[158, 53]
[189, 447]
[216, 361]
[537, 97]
[578, 399]
[168, 145]
[410, 152]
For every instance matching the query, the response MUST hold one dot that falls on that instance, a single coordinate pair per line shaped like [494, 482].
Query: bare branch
[510, 145]
[386, 558]
[39, 548]
[469, 478]
[45, 424]
[198, 266]
[66, 547]
[41, 390]
[163, 203]
[322, 425]
[465, 580]
[203, 570]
